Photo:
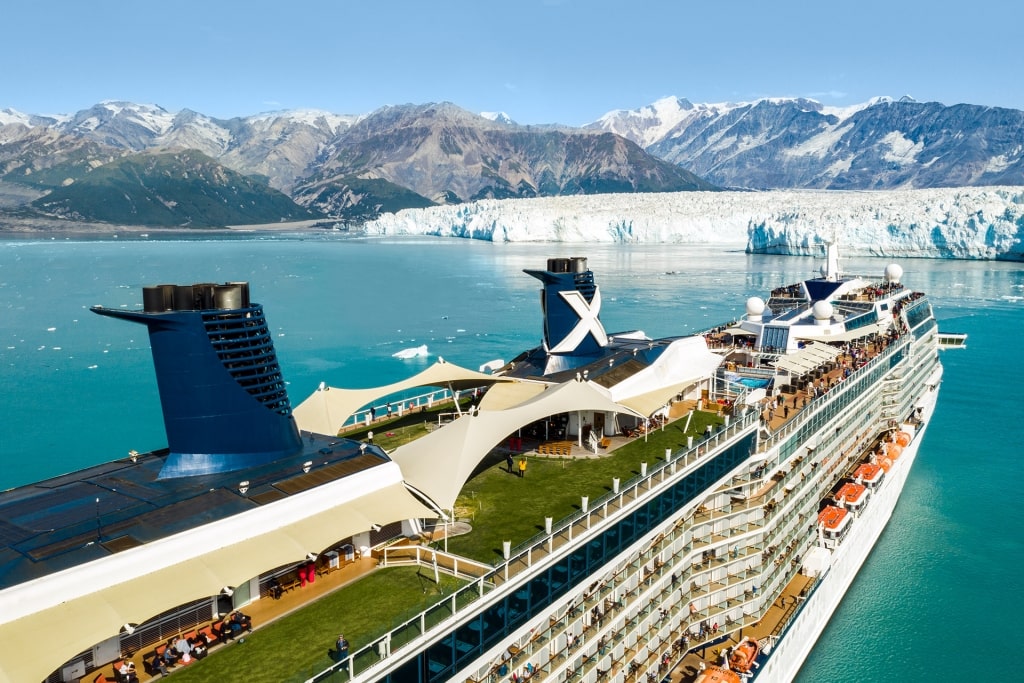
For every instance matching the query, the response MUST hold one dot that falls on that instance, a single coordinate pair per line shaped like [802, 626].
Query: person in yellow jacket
[522, 467]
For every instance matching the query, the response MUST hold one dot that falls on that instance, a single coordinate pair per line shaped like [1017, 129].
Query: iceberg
[962, 223]
[414, 352]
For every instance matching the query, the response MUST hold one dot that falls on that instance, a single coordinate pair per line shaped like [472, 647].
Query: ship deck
[268, 611]
[771, 624]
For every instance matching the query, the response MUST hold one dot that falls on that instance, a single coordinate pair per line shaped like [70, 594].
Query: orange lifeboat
[831, 517]
[868, 474]
[851, 494]
[885, 464]
[716, 674]
[743, 655]
[894, 451]
[903, 439]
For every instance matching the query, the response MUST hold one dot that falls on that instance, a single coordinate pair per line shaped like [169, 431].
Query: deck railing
[521, 558]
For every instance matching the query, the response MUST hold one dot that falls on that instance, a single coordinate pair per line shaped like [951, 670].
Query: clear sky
[540, 61]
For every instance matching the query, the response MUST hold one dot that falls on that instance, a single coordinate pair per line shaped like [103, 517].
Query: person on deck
[342, 648]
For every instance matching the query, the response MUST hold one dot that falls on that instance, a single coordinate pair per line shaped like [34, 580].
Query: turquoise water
[938, 591]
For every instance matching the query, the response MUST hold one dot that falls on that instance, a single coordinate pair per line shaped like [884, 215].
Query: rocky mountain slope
[799, 143]
[182, 190]
[347, 167]
[355, 168]
[448, 155]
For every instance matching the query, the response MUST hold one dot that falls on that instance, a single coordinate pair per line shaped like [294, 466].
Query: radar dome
[893, 272]
[755, 306]
[822, 311]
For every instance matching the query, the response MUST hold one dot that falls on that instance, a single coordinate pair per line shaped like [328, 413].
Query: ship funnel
[571, 303]
[223, 396]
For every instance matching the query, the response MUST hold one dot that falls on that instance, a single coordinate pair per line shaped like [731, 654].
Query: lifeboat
[869, 474]
[894, 451]
[743, 655]
[716, 674]
[885, 464]
[851, 495]
[831, 517]
[903, 439]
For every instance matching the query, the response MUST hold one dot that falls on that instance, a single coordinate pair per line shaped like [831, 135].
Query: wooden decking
[774, 620]
[263, 612]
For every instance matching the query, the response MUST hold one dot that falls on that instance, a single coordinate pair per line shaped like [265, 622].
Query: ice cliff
[966, 223]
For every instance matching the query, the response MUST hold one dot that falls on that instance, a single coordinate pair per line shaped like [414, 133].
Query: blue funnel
[223, 396]
[572, 305]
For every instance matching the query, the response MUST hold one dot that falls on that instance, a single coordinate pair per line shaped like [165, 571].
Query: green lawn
[503, 507]
[296, 646]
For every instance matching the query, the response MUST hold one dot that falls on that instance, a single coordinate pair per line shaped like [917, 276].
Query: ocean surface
[939, 595]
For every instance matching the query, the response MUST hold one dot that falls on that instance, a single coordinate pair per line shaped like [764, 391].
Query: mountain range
[124, 163]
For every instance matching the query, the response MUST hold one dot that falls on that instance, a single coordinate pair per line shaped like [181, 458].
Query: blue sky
[540, 61]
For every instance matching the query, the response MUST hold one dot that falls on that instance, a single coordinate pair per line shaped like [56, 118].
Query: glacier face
[965, 223]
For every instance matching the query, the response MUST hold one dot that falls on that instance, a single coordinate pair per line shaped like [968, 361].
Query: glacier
[959, 223]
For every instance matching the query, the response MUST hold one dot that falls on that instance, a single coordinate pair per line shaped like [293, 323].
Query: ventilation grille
[242, 341]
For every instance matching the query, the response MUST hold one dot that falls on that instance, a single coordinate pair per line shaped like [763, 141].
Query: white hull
[789, 652]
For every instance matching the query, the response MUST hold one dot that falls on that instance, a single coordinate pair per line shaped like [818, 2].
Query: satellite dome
[822, 311]
[893, 272]
[755, 306]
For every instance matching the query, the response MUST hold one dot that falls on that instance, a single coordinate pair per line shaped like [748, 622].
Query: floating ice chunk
[414, 352]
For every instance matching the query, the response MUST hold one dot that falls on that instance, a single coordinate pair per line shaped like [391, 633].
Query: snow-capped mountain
[279, 146]
[970, 223]
[799, 143]
[355, 168]
[448, 155]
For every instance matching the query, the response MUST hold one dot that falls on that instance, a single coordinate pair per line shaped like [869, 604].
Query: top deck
[85, 515]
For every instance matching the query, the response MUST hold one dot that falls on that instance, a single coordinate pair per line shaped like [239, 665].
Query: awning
[135, 585]
[327, 408]
[439, 463]
[808, 358]
[683, 364]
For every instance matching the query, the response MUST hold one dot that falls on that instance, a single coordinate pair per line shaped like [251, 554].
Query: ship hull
[787, 655]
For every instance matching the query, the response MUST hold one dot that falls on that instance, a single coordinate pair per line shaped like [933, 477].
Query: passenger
[170, 655]
[240, 622]
[341, 646]
[159, 665]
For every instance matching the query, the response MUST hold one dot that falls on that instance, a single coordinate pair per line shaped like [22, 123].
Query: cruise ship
[720, 560]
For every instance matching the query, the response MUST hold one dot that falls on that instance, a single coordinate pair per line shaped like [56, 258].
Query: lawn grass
[296, 646]
[503, 507]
